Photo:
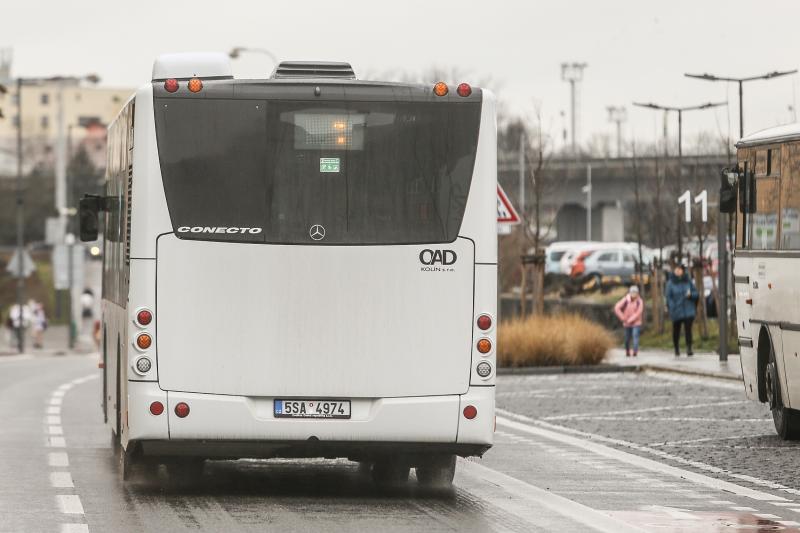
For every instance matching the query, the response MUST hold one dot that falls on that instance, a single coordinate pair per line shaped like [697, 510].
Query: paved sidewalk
[700, 364]
[55, 342]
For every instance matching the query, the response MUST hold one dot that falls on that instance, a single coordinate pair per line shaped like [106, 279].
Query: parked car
[607, 262]
[555, 252]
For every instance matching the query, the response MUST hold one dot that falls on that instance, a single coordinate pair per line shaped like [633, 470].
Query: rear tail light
[156, 408]
[464, 89]
[144, 341]
[144, 317]
[182, 410]
[195, 85]
[143, 365]
[484, 369]
[484, 322]
[484, 345]
[171, 85]
[470, 412]
[440, 89]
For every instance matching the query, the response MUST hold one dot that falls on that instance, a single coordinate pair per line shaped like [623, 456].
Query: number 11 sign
[702, 199]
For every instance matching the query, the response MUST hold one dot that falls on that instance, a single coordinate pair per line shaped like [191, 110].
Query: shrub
[566, 339]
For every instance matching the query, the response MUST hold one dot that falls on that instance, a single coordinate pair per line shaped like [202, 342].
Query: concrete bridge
[612, 193]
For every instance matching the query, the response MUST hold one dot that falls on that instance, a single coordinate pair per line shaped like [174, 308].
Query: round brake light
[484, 322]
[171, 85]
[144, 341]
[464, 89]
[144, 317]
[440, 89]
[156, 408]
[470, 412]
[182, 410]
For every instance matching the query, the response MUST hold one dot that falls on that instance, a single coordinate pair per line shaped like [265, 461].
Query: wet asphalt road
[610, 452]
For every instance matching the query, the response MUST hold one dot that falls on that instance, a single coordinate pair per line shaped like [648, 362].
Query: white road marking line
[55, 430]
[530, 494]
[745, 509]
[61, 480]
[767, 516]
[788, 523]
[57, 459]
[58, 393]
[65, 386]
[53, 420]
[533, 427]
[695, 380]
[672, 512]
[795, 510]
[726, 502]
[646, 410]
[709, 439]
[74, 528]
[69, 504]
[56, 401]
[54, 410]
[669, 419]
[57, 442]
[785, 504]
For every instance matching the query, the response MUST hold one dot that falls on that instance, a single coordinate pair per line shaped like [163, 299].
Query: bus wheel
[787, 421]
[438, 473]
[388, 473]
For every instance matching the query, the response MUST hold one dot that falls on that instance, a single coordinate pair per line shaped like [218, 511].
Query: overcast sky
[636, 50]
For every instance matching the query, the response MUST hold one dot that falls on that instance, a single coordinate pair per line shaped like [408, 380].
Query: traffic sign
[506, 214]
[28, 266]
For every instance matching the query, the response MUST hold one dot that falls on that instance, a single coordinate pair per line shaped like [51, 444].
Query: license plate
[312, 408]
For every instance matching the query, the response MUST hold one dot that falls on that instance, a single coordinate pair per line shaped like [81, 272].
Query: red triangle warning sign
[506, 214]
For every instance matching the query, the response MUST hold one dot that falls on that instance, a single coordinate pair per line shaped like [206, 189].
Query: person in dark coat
[681, 295]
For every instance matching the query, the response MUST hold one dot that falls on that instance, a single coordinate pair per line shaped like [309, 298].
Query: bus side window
[762, 226]
[790, 198]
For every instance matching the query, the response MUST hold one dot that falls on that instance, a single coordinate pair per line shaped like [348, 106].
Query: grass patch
[566, 339]
[651, 338]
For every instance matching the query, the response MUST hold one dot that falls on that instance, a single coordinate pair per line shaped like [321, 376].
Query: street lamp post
[680, 111]
[573, 73]
[740, 81]
[618, 115]
[20, 226]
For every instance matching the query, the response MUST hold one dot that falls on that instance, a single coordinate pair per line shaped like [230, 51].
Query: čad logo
[437, 257]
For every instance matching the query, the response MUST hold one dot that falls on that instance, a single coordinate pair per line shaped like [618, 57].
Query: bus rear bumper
[238, 426]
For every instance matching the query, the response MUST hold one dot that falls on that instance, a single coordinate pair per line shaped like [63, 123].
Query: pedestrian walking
[38, 323]
[19, 319]
[682, 296]
[629, 310]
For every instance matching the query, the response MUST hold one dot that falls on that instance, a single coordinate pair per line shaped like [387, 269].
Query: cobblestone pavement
[700, 424]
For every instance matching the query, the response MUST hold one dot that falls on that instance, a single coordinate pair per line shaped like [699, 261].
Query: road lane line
[58, 392]
[535, 427]
[69, 504]
[56, 401]
[57, 459]
[74, 528]
[645, 410]
[54, 420]
[55, 430]
[54, 410]
[533, 496]
[56, 442]
[61, 480]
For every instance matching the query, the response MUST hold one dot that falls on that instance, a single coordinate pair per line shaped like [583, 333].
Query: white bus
[299, 266]
[767, 285]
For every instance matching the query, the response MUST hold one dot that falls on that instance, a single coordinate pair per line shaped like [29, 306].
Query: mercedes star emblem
[317, 232]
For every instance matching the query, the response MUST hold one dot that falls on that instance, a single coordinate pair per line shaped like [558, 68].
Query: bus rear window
[270, 171]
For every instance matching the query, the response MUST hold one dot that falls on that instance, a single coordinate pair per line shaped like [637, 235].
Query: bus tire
[438, 473]
[390, 473]
[787, 421]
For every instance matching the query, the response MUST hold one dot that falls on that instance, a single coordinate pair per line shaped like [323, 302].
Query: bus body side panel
[480, 216]
[148, 191]
[748, 333]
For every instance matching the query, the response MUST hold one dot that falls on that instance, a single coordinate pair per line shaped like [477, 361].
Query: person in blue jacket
[682, 298]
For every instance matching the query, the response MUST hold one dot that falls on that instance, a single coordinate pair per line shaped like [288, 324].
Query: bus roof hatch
[192, 65]
[314, 69]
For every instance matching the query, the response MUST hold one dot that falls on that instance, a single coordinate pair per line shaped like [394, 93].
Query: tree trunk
[538, 286]
[701, 308]
[523, 293]
[658, 302]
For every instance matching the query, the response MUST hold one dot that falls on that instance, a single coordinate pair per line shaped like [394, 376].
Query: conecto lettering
[219, 229]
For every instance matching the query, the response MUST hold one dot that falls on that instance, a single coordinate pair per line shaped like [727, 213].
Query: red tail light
[470, 412]
[182, 410]
[144, 317]
[156, 408]
[171, 85]
[464, 89]
[484, 322]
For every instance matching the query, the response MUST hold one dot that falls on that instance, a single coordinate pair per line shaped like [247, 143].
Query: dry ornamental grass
[552, 340]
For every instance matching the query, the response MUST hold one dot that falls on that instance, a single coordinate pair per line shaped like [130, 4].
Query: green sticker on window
[329, 164]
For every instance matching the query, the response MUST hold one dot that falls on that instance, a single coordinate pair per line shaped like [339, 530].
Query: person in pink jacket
[630, 310]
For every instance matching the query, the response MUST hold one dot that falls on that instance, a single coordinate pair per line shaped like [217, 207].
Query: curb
[563, 369]
[690, 372]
